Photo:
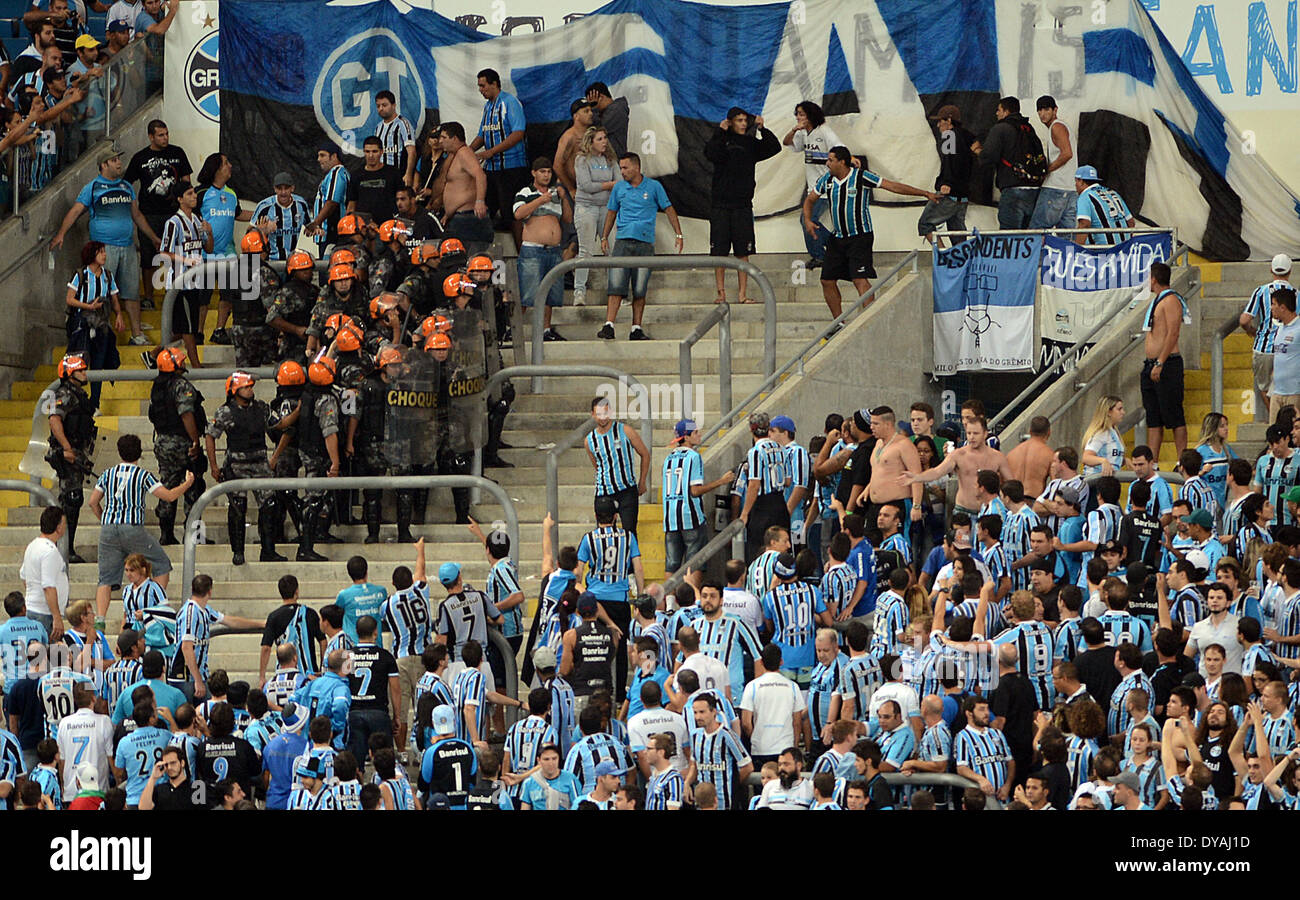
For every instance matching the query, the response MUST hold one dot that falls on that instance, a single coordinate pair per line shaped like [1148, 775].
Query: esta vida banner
[984, 304]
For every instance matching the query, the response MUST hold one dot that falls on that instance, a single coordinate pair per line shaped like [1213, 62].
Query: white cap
[1199, 559]
[1281, 264]
[88, 777]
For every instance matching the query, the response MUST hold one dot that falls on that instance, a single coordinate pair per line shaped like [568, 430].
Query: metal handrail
[41, 240]
[212, 269]
[1081, 386]
[351, 482]
[1058, 231]
[671, 263]
[553, 474]
[798, 359]
[720, 541]
[898, 779]
[720, 316]
[1057, 368]
[1216, 370]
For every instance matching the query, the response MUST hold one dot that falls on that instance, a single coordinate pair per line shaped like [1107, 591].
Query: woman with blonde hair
[1215, 453]
[139, 591]
[1103, 447]
[918, 604]
[596, 171]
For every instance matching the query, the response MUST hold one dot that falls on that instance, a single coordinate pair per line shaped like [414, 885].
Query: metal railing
[39, 494]
[812, 346]
[897, 779]
[1216, 371]
[193, 527]
[1076, 351]
[721, 317]
[1056, 232]
[717, 544]
[668, 263]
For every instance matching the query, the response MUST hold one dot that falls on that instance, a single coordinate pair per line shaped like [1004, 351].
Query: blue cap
[119, 25]
[438, 801]
[609, 767]
[587, 603]
[444, 720]
[1087, 173]
[310, 767]
[685, 427]
[448, 572]
[330, 147]
[785, 423]
[784, 566]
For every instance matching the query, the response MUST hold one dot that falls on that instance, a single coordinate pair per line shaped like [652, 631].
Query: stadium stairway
[677, 302]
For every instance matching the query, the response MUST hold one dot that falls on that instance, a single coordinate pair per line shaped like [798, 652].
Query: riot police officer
[176, 411]
[353, 230]
[290, 379]
[290, 312]
[244, 420]
[419, 289]
[452, 458]
[344, 295]
[318, 446]
[391, 263]
[451, 259]
[352, 368]
[72, 440]
[384, 326]
[254, 339]
[367, 435]
[489, 298]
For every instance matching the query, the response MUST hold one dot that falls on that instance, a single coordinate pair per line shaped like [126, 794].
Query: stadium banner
[192, 99]
[297, 71]
[984, 304]
[1083, 286]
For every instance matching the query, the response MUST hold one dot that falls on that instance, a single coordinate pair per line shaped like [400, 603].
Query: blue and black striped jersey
[591, 751]
[682, 469]
[718, 759]
[407, 616]
[665, 790]
[286, 224]
[613, 453]
[768, 465]
[985, 750]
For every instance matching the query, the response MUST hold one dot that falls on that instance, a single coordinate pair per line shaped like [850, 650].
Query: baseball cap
[88, 777]
[683, 428]
[1108, 547]
[1068, 495]
[119, 25]
[110, 153]
[52, 73]
[784, 567]
[330, 147]
[785, 423]
[759, 422]
[947, 111]
[1128, 778]
[1281, 263]
[310, 767]
[444, 720]
[1041, 565]
[609, 767]
[1200, 517]
[605, 507]
[1293, 495]
[586, 603]
[579, 104]
[438, 801]
[282, 178]
[448, 572]
[293, 718]
[544, 658]
[1198, 559]
[85, 41]
[1087, 173]
[1193, 680]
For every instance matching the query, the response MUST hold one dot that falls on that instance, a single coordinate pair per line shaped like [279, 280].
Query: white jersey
[55, 689]
[85, 737]
[642, 728]
[797, 796]
[714, 674]
[744, 606]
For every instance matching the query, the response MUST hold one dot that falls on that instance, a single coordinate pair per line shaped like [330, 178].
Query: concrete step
[582, 324]
[1234, 288]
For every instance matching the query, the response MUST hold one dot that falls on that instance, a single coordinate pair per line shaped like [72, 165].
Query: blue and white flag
[984, 304]
[1084, 286]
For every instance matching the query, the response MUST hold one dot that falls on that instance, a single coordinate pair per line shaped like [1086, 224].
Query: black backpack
[1027, 161]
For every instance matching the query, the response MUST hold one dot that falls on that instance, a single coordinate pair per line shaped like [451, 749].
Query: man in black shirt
[956, 161]
[424, 225]
[292, 623]
[1013, 705]
[372, 189]
[1096, 665]
[374, 682]
[739, 144]
[170, 787]
[1167, 666]
[158, 168]
[222, 756]
[1139, 531]
[1004, 149]
[1042, 579]
[1214, 737]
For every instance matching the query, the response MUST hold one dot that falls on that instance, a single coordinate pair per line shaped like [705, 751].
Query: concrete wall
[875, 361]
[32, 295]
[1121, 379]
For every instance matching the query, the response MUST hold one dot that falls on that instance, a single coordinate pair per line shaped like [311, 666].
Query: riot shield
[412, 399]
[467, 377]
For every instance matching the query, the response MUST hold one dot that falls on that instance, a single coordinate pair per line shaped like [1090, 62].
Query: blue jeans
[534, 263]
[680, 546]
[816, 245]
[47, 621]
[1016, 207]
[362, 723]
[1055, 209]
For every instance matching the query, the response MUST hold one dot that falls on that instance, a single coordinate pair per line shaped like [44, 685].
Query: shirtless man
[1162, 372]
[967, 460]
[893, 455]
[582, 113]
[1030, 460]
[464, 194]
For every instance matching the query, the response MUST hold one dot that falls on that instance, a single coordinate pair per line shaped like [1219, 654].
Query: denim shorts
[534, 263]
[640, 278]
[124, 263]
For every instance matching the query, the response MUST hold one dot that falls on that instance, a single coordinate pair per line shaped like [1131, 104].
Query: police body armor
[249, 432]
[311, 439]
[301, 317]
[373, 394]
[78, 425]
[164, 416]
[593, 657]
[248, 309]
